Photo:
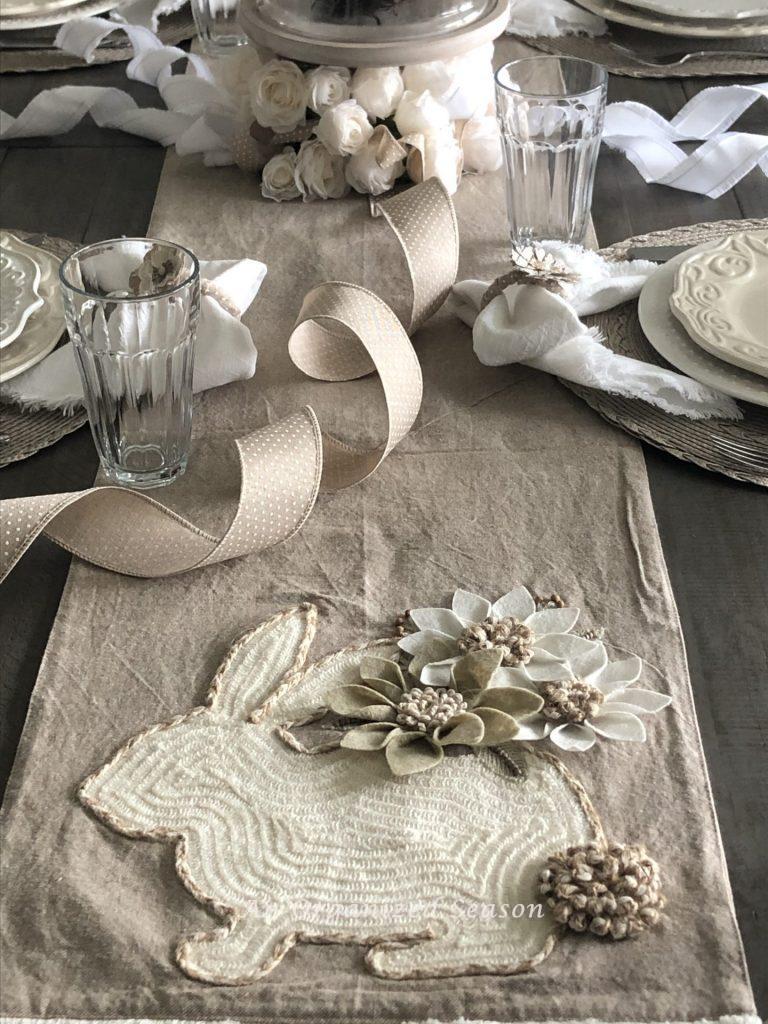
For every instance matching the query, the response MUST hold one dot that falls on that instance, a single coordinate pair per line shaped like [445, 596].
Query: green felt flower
[413, 725]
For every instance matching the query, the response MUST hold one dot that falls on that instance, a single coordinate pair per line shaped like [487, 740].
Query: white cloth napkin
[551, 18]
[224, 348]
[528, 324]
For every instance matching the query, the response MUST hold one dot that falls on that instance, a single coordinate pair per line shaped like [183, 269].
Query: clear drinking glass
[550, 111]
[131, 306]
[217, 25]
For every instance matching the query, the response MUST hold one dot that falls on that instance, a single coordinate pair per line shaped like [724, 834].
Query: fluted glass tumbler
[217, 25]
[132, 306]
[550, 111]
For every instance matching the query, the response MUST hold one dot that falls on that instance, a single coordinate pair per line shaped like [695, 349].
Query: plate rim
[54, 313]
[647, 297]
[615, 10]
[658, 7]
[86, 8]
[37, 300]
[719, 352]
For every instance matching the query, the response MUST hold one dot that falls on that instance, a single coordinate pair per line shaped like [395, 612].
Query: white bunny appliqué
[331, 847]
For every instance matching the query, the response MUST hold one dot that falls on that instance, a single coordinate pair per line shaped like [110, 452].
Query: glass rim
[193, 274]
[564, 94]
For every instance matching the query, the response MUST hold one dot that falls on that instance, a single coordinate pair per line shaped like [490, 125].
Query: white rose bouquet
[315, 132]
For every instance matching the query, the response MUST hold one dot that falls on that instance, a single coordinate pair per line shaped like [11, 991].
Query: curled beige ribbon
[343, 332]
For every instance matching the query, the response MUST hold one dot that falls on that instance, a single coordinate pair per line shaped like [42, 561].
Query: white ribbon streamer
[190, 97]
[201, 116]
[648, 140]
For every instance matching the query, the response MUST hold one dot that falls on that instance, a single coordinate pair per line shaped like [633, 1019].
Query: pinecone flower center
[570, 700]
[612, 891]
[512, 637]
[425, 708]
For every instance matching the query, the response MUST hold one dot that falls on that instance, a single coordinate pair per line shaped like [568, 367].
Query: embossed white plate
[670, 339]
[45, 325]
[19, 279]
[653, 21]
[721, 298]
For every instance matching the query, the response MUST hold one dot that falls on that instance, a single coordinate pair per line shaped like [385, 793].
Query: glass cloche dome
[354, 33]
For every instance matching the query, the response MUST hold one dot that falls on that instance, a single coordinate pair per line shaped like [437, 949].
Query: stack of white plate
[31, 315]
[703, 18]
[706, 313]
[30, 16]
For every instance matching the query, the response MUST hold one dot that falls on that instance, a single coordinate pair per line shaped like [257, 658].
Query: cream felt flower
[531, 642]
[412, 725]
[599, 700]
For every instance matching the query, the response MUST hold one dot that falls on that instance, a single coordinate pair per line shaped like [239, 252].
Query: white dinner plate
[707, 9]
[19, 280]
[652, 21]
[45, 326]
[670, 339]
[721, 299]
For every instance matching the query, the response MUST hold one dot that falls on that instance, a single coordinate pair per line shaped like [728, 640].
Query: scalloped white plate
[721, 298]
[19, 280]
[671, 340]
[45, 325]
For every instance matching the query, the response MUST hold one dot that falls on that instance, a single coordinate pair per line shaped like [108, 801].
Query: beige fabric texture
[505, 478]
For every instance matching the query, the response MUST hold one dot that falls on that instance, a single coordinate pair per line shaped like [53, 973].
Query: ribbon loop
[343, 332]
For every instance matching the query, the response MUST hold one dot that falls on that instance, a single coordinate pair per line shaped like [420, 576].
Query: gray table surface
[95, 183]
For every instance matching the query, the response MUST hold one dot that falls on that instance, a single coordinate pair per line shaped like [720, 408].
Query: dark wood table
[94, 183]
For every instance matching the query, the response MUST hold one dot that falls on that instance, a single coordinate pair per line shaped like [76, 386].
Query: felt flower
[279, 95]
[326, 87]
[375, 168]
[345, 128]
[413, 725]
[319, 173]
[278, 178]
[595, 698]
[481, 145]
[531, 642]
[462, 85]
[435, 154]
[378, 90]
[420, 112]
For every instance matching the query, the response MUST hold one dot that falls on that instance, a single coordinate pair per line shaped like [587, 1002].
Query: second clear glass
[550, 112]
[217, 24]
[132, 307]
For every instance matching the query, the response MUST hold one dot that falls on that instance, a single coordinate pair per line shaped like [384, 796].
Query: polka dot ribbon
[343, 332]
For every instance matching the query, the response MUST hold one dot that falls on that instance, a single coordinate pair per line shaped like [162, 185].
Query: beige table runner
[505, 478]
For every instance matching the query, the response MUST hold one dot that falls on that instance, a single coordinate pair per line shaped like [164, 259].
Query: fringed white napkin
[224, 348]
[528, 324]
[551, 18]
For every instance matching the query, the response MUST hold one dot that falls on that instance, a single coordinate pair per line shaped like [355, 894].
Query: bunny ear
[259, 661]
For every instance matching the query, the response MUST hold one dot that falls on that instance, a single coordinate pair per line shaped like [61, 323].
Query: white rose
[319, 174]
[344, 129]
[326, 88]
[463, 85]
[481, 145]
[278, 179]
[376, 167]
[279, 95]
[435, 155]
[420, 112]
[378, 90]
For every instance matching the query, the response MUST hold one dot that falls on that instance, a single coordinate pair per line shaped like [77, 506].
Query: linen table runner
[505, 478]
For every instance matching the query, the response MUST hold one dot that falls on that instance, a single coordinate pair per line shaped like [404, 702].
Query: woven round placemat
[24, 433]
[690, 440]
[173, 29]
[601, 51]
